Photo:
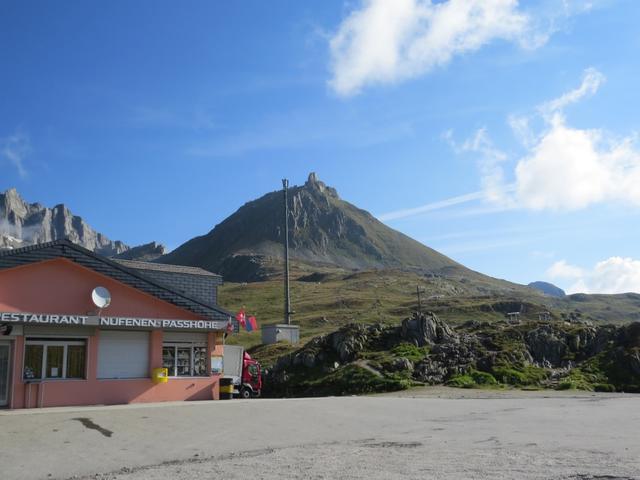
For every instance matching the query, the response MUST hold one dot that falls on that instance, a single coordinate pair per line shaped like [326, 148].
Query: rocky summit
[324, 231]
[361, 358]
[23, 224]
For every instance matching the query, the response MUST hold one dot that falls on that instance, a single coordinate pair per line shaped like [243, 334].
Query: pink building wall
[63, 287]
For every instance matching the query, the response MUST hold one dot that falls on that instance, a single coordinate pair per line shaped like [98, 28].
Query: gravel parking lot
[428, 433]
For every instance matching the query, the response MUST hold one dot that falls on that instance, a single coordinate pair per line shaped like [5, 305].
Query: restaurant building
[157, 337]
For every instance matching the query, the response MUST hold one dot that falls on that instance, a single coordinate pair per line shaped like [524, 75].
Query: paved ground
[430, 433]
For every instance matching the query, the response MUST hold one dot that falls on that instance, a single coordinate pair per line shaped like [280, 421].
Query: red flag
[229, 326]
[240, 317]
[253, 322]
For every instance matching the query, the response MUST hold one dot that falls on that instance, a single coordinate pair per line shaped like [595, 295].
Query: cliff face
[23, 224]
[324, 230]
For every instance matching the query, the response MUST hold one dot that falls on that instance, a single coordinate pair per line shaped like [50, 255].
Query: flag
[229, 329]
[252, 324]
[240, 317]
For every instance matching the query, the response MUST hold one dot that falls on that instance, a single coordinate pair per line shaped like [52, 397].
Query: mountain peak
[323, 231]
[12, 192]
[313, 178]
[314, 184]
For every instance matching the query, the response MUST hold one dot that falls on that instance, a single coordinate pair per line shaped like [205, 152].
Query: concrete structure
[280, 332]
[58, 349]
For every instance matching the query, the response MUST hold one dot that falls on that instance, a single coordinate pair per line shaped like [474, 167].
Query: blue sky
[503, 134]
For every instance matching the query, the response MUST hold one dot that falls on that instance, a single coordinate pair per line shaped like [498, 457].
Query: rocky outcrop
[23, 224]
[426, 329]
[425, 349]
[545, 346]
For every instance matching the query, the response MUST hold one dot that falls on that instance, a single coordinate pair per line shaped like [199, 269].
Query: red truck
[245, 372]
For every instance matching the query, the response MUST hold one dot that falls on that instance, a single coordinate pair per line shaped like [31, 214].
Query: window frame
[191, 346]
[64, 342]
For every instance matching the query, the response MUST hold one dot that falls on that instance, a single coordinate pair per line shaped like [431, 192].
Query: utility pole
[287, 297]
[418, 292]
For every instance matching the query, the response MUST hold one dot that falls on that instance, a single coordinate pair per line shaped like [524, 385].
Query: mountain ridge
[23, 224]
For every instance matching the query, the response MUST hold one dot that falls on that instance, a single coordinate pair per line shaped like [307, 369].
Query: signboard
[216, 364]
[118, 322]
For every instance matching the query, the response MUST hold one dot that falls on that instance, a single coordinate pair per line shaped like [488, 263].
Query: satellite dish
[101, 297]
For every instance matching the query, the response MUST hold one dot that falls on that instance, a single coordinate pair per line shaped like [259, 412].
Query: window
[185, 360]
[54, 358]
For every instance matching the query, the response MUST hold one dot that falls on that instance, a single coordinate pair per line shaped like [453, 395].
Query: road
[434, 434]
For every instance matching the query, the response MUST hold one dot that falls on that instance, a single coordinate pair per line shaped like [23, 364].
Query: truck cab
[251, 378]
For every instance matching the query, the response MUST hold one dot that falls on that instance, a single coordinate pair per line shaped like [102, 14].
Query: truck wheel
[245, 393]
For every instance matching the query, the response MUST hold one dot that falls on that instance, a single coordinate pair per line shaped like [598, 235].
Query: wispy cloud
[15, 149]
[591, 82]
[388, 41]
[430, 207]
[297, 129]
[486, 239]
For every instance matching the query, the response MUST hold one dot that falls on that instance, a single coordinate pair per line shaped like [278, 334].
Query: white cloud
[591, 82]
[385, 41]
[564, 168]
[613, 275]
[14, 149]
[562, 270]
[569, 168]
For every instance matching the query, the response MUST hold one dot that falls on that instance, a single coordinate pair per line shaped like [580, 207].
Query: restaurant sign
[119, 322]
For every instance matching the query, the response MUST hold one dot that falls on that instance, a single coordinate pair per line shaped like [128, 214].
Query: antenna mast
[287, 297]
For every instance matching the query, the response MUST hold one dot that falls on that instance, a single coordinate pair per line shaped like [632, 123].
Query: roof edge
[65, 242]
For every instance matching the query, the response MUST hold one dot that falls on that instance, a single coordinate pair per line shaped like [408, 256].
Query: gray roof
[165, 267]
[80, 255]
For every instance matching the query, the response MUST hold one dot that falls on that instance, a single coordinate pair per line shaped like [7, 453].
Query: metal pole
[287, 297]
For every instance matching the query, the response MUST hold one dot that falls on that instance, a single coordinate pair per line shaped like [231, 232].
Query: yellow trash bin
[226, 389]
[160, 375]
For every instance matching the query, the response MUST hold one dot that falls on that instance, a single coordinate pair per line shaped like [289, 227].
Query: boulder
[425, 329]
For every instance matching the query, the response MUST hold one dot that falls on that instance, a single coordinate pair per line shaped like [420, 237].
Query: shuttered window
[123, 354]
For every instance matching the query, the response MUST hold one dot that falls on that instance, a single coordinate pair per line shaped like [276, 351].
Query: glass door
[4, 374]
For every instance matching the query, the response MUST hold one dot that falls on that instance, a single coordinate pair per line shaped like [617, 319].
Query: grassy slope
[388, 296]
